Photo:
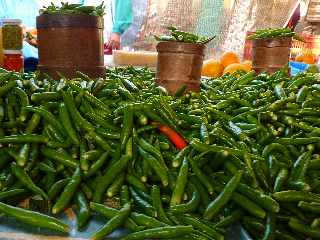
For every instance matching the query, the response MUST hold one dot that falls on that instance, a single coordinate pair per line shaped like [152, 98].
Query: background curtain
[229, 20]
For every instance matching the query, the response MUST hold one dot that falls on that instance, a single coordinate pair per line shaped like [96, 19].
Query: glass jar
[12, 34]
[1, 48]
[13, 60]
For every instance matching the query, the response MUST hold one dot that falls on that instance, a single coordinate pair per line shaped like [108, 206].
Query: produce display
[228, 63]
[275, 33]
[306, 57]
[243, 150]
[68, 8]
[182, 36]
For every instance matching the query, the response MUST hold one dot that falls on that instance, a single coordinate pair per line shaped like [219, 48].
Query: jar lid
[13, 21]
[12, 52]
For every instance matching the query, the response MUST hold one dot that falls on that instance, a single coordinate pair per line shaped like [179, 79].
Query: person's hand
[114, 41]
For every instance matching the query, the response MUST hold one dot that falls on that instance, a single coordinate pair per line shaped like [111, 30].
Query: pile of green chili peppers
[74, 9]
[181, 36]
[252, 156]
[270, 33]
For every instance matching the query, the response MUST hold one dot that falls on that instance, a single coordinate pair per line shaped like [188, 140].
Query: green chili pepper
[56, 188]
[296, 196]
[202, 227]
[147, 221]
[315, 223]
[47, 116]
[136, 183]
[157, 204]
[74, 113]
[161, 232]
[115, 186]
[6, 88]
[33, 123]
[259, 197]
[300, 227]
[113, 223]
[68, 192]
[66, 122]
[127, 127]
[59, 156]
[191, 205]
[141, 203]
[156, 166]
[110, 213]
[97, 165]
[280, 180]
[25, 138]
[215, 206]
[313, 207]
[83, 210]
[107, 178]
[20, 174]
[34, 218]
[226, 221]
[6, 195]
[180, 156]
[124, 195]
[181, 183]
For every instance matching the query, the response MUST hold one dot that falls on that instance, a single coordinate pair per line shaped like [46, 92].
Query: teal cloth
[122, 16]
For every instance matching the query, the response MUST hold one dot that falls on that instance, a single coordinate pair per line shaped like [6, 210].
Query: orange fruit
[299, 58]
[232, 68]
[248, 65]
[212, 68]
[229, 58]
[308, 58]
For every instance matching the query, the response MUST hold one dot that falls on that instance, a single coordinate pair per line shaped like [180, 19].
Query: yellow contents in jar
[1, 48]
[12, 34]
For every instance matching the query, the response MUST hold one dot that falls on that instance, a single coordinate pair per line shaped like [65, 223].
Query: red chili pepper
[173, 136]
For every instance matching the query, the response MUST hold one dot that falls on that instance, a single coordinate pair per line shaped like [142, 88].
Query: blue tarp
[297, 67]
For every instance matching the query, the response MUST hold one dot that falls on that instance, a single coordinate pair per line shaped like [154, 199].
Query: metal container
[270, 55]
[70, 43]
[179, 64]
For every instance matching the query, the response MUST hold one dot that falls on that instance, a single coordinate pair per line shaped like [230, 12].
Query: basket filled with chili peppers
[180, 59]
[72, 35]
[244, 150]
[271, 48]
